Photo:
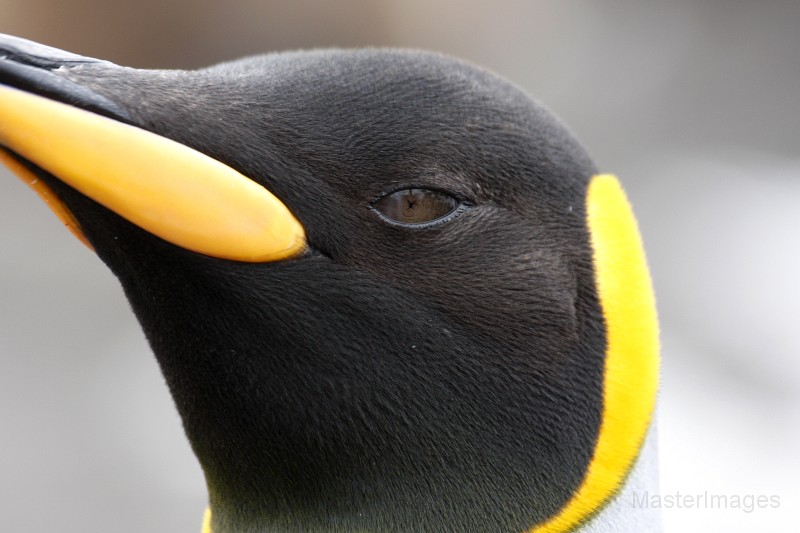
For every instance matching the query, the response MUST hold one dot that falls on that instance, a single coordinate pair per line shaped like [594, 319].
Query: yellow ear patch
[164, 187]
[630, 377]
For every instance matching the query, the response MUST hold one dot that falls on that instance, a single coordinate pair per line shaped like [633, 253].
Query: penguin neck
[629, 510]
[302, 469]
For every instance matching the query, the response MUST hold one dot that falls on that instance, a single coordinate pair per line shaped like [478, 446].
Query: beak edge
[45, 193]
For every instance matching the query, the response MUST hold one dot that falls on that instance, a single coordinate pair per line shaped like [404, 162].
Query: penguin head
[429, 348]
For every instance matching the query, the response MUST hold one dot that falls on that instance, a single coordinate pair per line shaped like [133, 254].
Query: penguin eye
[416, 206]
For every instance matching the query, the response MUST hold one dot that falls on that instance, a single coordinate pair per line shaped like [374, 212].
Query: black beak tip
[36, 68]
[24, 52]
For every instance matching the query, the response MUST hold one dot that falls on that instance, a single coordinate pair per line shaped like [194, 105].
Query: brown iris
[416, 206]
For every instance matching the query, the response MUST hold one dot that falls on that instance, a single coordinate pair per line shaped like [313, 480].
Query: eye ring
[417, 207]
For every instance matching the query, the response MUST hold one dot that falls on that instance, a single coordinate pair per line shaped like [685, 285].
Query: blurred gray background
[694, 104]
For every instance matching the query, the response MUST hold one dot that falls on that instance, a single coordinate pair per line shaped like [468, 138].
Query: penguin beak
[164, 187]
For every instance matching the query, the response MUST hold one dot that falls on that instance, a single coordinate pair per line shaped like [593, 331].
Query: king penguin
[388, 291]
